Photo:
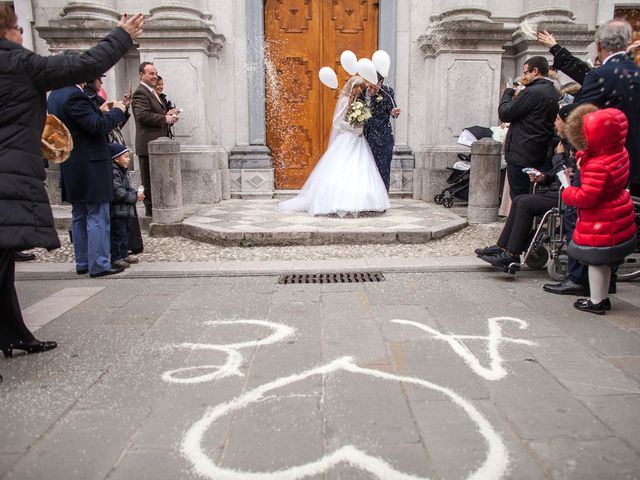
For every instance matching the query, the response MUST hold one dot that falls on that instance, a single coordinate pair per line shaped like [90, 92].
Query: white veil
[340, 123]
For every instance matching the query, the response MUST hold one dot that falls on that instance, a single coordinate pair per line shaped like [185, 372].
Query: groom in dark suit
[377, 130]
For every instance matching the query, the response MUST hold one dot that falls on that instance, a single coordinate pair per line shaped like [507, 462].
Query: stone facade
[450, 60]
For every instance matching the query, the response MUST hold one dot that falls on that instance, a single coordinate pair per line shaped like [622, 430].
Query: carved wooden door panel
[631, 15]
[301, 36]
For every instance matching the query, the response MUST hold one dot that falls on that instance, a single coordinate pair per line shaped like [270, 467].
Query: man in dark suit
[377, 130]
[152, 121]
[616, 84]
[86, 177]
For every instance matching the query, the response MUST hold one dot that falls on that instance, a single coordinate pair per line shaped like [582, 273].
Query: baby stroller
[458, 182]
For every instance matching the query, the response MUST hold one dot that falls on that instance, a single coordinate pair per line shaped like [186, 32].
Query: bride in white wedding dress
[345, 179]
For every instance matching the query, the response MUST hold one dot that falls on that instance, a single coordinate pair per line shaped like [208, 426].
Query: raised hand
[546, 39]
[134, 26]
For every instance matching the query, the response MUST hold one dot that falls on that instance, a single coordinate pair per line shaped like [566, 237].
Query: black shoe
[502, 259]
[566, 287]
[34, 347]
[586, 305]
[606, 303]
[82, 271]
[488, 251]
[23, 257]
[109, 271]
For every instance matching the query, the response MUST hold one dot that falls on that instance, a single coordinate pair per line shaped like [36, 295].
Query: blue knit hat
[117, 150]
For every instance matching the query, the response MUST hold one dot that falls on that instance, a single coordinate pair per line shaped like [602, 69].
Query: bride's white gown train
[345, 179]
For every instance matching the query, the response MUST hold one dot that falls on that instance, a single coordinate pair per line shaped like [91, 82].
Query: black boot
[566, 287]
[586, 305]
[502, 259]
[23, 257]
[488, 251]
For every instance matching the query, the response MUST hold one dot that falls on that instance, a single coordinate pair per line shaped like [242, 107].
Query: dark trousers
[145, 175]
[13, 331]
[119, 238]
[515, 234]
[382, 154]
[519, 183]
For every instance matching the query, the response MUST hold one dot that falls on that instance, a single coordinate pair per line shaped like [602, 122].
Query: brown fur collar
[573, 127]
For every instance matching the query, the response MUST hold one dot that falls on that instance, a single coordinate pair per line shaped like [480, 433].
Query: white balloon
[367, 70]
[349, 62]
[328, 77]
[382, 61]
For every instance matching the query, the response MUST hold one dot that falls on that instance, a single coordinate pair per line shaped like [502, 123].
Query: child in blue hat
[122, 207]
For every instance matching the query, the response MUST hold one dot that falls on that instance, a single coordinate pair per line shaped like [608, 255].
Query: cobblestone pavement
[179, 249]
[441, 375]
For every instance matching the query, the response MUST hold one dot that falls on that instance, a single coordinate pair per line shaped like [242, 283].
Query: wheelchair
[547, 245]
[630, 269]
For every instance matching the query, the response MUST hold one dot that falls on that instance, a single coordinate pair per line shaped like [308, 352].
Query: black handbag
[135, 244]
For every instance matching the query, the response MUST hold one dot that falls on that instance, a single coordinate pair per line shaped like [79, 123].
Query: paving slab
[141, 364]
[587, 459]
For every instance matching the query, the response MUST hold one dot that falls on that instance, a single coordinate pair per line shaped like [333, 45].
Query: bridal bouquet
[358, 113]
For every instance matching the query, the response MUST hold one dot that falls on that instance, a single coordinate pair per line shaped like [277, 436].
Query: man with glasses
[531, 113]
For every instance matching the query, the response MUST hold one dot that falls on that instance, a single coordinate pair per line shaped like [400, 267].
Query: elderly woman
[605, 231]
[26, 220]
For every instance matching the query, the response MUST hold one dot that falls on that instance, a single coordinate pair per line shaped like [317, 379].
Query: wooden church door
[301, 36]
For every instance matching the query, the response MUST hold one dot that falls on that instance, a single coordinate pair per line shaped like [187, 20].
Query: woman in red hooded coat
[605, 231]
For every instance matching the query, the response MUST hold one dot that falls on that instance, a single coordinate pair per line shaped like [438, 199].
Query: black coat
[377, 130]
[26, 220]
[149, 113]
[564, 61]
[124, 197]
[86, 176]
[616, 84]
[531, 114]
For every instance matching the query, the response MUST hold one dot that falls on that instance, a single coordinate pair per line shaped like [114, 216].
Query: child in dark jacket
[122, 206]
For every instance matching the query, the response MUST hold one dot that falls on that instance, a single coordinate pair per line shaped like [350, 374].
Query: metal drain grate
[350, 277]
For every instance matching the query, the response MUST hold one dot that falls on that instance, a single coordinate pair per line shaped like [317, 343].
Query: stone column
[402, 163]
[463, 60]
[251, 166]
[183, 44]
[166, 180]
[484, 184]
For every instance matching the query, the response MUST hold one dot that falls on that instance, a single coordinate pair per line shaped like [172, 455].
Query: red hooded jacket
[605, 210]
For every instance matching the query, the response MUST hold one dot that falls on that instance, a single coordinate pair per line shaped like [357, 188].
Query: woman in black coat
[26, 220]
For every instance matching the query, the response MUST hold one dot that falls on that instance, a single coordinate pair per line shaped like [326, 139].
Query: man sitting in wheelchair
[515, 235]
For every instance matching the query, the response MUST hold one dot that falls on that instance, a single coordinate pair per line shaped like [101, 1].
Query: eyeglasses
[20, 29]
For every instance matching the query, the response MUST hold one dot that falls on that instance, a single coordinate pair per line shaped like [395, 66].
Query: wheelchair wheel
[538, 258]
[447, 202]
[438, 199]
[558, 268]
